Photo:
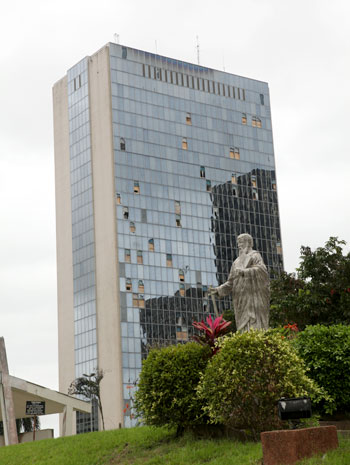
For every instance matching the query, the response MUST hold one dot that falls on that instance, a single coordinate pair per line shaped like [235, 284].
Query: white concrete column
[7, 405]
[67, 422]
[3, 414]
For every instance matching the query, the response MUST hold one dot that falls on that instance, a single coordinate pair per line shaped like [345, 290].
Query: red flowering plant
[288, 331]
[211, 332]
[291, 327]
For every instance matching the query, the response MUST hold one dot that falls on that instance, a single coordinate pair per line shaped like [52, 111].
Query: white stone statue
[249, 284]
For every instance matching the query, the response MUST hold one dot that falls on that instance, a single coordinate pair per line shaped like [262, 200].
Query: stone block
[286, 447]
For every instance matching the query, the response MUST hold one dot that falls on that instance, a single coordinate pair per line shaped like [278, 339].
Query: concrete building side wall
[64, 239]
[106, 253]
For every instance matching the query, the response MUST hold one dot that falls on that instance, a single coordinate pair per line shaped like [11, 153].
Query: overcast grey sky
[301, 48]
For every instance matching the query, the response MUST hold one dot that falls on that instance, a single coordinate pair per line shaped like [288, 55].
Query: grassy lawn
[147, 446]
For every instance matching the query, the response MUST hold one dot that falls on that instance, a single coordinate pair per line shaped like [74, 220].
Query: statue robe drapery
[249, 284]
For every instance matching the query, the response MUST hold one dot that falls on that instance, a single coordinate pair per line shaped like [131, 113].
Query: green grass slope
[147, 446]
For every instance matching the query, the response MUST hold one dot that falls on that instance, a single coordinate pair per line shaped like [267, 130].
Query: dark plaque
[35, 408]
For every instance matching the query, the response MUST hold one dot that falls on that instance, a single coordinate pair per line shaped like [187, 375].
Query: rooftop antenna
[223, 61]
[116, 38]
[197, 47]
[156, 47]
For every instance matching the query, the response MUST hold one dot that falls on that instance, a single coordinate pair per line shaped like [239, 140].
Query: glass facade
[82, 231]
[194, 168]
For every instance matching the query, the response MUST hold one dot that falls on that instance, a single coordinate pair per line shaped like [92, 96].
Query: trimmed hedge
[243, 382]
[326, 352]
[166, 394]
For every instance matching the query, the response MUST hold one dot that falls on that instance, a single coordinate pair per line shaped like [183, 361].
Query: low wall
[289, 446]
[28, 437]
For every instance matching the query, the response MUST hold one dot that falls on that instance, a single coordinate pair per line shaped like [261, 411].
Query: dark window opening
[256, 122]
[136, 187]
[77, 82]
[182, 290]
[141, 301]
[234, 153]
[177, 207]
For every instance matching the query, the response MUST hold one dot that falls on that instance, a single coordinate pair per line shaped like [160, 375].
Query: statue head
[245, 243]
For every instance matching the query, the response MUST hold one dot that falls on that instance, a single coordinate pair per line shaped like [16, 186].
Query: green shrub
[166, 394]
[326, 352]
[229, 315]
[252, 370]
[288, 331]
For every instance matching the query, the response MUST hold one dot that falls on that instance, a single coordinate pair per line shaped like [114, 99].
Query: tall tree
[89, 387]
[319, 291]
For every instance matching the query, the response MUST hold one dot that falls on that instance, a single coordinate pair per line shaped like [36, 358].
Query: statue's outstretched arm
[226, 288]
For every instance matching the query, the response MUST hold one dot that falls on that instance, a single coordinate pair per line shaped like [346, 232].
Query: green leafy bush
[288, 331]
[318, 293]
[243, 382]
[229, 315]
[326, 352]
[166, 394]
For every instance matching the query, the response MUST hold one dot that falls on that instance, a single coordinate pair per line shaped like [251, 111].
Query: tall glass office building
[160, 165]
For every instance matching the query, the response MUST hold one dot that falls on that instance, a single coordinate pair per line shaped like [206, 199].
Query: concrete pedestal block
[286, 447]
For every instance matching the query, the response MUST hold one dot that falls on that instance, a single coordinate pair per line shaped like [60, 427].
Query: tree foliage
[88, 386]
[319, 292]
[243, 382]
[326, 352]
[166, 394]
